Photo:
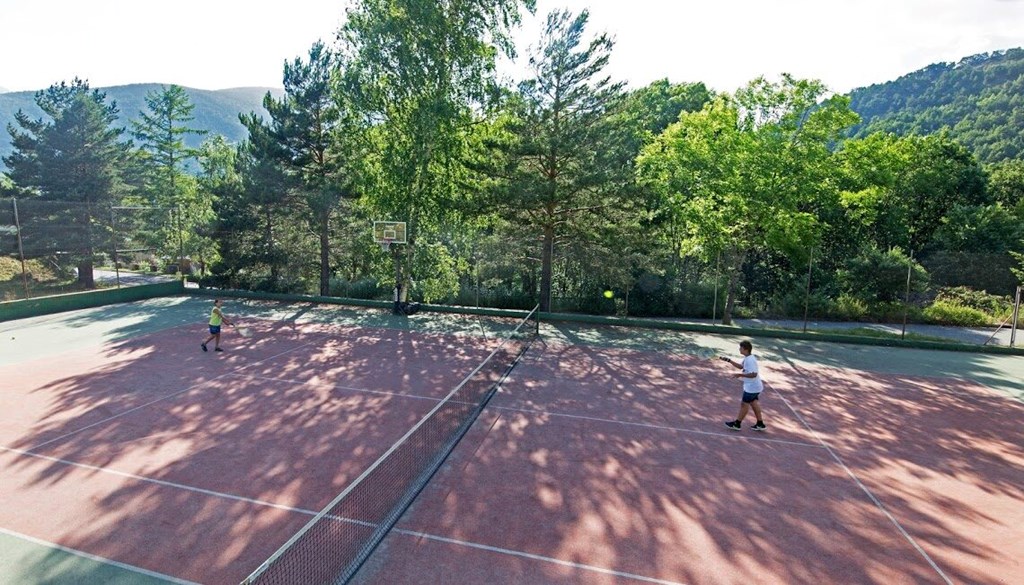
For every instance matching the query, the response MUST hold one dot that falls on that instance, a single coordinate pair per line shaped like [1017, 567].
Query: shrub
[849, 308]
[964, 296]
[366, 288]
[949, 313]
[875, 275]
[892, 312]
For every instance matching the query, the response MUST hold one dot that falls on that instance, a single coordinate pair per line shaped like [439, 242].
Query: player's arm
[731, 362]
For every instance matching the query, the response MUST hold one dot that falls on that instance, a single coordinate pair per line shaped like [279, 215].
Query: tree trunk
[85, 276]
[546, 268]
[325, 247]
[735, 270]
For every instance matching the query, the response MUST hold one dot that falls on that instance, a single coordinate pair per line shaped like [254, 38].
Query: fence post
[906, 300]
[181, 246]
[114, 238]
[1016, 312]
[21, 249]
[714, 300]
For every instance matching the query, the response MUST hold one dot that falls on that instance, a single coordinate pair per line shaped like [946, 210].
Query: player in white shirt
[752, 387]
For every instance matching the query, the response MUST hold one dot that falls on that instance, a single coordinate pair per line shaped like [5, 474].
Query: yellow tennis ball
[608, 294]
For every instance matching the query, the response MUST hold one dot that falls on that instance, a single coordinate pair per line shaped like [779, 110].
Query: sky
[218, 44]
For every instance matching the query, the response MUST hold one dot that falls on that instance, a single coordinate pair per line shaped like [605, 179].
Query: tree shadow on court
[618, 459]
[201, 464]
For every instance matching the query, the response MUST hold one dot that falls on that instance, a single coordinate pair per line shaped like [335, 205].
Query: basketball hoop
[385, 244]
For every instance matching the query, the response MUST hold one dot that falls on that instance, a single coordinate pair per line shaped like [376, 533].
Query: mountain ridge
[216, 110]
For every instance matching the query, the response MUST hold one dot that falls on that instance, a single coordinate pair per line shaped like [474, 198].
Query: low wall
[10, 310]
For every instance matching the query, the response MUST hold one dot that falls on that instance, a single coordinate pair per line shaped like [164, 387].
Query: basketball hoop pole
[386, 233]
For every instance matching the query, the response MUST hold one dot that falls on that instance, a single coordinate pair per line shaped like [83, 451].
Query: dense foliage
[979, 100]
[565, 189]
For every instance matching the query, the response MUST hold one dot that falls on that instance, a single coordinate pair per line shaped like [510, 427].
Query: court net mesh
[337, 541]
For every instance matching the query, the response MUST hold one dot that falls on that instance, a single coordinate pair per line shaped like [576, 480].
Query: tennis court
[127, 455]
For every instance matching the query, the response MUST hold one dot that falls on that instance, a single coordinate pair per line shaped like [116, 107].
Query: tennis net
[332, 546]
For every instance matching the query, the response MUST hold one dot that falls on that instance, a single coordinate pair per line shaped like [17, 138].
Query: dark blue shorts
[214, 329]
[750, 396]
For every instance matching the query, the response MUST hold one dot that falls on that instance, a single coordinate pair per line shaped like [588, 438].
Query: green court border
[10, 310]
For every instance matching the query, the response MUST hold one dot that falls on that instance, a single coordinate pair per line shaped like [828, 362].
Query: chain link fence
[56, 247]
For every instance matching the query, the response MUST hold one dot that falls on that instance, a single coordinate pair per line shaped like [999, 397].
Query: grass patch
[44, 279]
[870, 332]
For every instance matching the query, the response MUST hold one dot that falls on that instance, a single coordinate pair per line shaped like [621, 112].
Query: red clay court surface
[592, 465]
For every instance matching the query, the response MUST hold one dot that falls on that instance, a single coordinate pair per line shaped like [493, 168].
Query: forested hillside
[979, 99]
[215, 111]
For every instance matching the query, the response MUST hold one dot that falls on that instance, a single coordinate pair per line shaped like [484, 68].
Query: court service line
[535, 557]
[162, 398]
[863, 487]
[535, 411]
[351, 388]
[307, 512]
[659, 427]
[159, 482]
[98, 559]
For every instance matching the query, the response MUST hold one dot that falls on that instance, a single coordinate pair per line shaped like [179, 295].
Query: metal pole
[21, 249]
[714, 301]
[181, 247]
[1016, 312]
[113, 237]
[807, 295]
[906, 301]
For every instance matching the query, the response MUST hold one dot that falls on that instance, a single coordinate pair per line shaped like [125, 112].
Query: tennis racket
[243, 331]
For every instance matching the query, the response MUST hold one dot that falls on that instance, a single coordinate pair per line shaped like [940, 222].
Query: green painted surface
[10, 310]
[30, 562]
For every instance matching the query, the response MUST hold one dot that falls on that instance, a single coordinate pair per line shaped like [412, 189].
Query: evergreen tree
[319, 143]
[74, 157]
[164, 181]
[556, 165]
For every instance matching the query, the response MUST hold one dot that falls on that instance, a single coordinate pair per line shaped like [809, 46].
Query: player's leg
[744, 408]
[207, 340]
[755, 405]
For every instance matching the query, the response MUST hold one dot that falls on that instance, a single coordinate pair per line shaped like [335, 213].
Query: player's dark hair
[747, 345]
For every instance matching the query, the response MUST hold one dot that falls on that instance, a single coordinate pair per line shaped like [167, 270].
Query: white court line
[351, 388]
[307, 512]
[534, 557]
[162, 398]
[863, 487]
[660, 427]
[542, 412]
[98, 559]
[159, 482]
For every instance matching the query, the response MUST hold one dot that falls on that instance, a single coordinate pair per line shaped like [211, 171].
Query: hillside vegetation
[215, 111]
[979, 100]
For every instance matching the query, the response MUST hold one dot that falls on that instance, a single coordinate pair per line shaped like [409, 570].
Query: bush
[495, 298]
[948, 313]
[994, 305]
[892, 312]
[849, 308]
[366, 288]
[875, 275]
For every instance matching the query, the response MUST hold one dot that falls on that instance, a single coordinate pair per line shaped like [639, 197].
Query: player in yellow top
[216, 318]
